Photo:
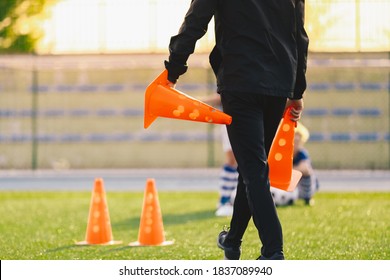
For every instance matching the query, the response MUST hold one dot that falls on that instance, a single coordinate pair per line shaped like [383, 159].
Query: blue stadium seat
[79, 112]
[64, 88]
[340, 137]
[319, 86]
[106, 112]
[40, 88]
[342, 112]
[53, 112]
[6, 113]
[139, 87]
[150, 137]
[98, 137]
[368, 137]
[87, 88]
[133, 112]
[114, 87]
[25, 113]
[369, 112]
[316, 137]
[70, 138]
[47, 138]
[122, 137]
[370, 86]
[20, 138]
[344, 86]
[316, 112]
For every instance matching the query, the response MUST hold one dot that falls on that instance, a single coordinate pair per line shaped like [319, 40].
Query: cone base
[295, 177]
[138, 244]
[85, 243]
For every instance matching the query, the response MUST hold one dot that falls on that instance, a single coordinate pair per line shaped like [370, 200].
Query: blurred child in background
[308, 184]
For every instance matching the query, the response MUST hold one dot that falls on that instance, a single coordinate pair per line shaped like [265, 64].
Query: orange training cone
[280, 158]
[151, 229]
[164, 101]
[99, 226]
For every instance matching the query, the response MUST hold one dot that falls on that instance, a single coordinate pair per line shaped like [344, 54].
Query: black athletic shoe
[275, 256]
[231, 252]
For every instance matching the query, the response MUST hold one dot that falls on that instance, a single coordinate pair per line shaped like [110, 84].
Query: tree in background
[21, 24]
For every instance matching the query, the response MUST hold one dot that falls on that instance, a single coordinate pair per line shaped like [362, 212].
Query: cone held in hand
[151, 229]
[99, 226]
[280, 158]
[163, 101]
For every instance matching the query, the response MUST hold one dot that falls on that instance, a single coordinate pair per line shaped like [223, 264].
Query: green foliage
[20, 24]
[46, 225]
[6, 6]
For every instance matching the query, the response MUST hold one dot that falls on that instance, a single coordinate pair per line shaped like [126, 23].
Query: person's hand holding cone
[280, 158]
[162, 100]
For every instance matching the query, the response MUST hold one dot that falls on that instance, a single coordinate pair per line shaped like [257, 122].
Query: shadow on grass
[101, 247]
[169, 219]
[62, 248]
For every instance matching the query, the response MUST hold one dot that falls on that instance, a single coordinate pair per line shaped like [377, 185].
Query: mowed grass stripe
[46, 225]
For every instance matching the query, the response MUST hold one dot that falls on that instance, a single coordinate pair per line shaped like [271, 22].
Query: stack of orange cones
[99, 226]
[163, 101]
[280, 158]
[151, 229]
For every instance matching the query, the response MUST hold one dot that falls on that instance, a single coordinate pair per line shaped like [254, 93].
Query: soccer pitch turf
[45, 225]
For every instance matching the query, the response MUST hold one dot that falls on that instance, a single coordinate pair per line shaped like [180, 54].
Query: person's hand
[296, 108]
[170, 84]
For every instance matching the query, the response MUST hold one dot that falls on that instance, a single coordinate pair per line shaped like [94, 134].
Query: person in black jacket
[259, 60]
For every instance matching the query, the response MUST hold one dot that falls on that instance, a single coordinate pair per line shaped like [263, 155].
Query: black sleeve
[192, 29]
[302, 44]
[215, 59]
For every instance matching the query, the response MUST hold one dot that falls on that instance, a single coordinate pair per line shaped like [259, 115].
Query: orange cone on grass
[280, 158]
[163, 101]
[99, 226]
[151, 229]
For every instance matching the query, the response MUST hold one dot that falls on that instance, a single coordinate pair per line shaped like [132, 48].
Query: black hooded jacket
[261, 45]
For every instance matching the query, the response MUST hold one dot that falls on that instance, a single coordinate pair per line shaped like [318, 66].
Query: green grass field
[46, 225]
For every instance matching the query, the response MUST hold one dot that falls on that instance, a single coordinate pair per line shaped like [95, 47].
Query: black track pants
[255, 119]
